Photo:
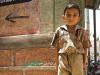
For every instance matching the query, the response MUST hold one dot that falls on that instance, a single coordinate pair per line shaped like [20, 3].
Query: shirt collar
[65, 27]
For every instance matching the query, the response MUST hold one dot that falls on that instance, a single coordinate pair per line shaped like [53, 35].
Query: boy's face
[71, 17]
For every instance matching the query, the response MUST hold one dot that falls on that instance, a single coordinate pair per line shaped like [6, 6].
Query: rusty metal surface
[25, 41]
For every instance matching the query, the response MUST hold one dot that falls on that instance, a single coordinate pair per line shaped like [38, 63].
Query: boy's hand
[70, 50]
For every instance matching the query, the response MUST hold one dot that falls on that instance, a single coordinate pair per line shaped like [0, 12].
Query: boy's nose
[70, 17]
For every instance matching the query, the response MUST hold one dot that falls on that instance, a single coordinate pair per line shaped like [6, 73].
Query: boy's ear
[63, 17]
[79, 19]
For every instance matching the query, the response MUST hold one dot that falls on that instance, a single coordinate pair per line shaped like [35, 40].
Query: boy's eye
[72, 15]
[68, 15]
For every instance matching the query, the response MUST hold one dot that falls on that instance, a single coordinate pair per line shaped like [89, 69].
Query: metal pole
[95, 44]
[88, 27]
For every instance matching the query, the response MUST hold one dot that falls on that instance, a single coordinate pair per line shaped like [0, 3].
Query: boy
[72, 42]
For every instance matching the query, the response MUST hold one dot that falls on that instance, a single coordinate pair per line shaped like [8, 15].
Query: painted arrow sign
[10, 17]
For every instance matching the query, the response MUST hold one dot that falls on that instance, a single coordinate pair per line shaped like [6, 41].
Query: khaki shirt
[77, 39]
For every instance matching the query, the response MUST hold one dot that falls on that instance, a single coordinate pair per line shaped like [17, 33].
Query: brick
[5, 58]
[10, 72]
[40, 72]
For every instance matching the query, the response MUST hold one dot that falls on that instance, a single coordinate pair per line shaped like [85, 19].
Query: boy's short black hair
[72, 5]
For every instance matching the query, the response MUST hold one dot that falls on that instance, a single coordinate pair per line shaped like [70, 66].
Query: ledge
[29, 68]
[25, 41]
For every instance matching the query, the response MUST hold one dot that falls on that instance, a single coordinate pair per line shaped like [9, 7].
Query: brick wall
[28, 61]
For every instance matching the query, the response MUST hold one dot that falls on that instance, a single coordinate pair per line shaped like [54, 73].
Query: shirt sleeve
[85, 40]
[55, 38]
